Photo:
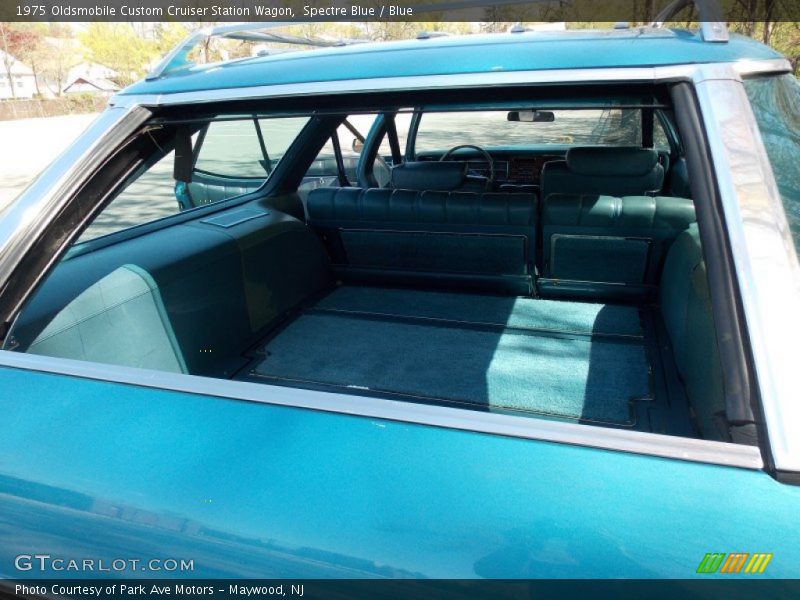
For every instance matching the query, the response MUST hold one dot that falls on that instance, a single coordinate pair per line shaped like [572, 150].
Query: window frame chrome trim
[764, 256]
[603, 438]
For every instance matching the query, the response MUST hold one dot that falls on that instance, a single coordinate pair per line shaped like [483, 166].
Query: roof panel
[576, 49]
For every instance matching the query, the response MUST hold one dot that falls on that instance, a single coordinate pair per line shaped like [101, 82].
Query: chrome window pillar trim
[32, 211]
[754, 67]
[454, 81]
[764, 257]
[531, 428]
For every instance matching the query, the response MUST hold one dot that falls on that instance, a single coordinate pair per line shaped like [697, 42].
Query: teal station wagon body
[228, 385]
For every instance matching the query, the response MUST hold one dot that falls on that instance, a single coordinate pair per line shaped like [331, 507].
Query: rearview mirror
[532, 116]
[357, 145]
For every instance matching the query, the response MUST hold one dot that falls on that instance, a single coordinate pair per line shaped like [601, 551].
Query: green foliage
[169, 34]
[83, 103]
[784, 37]
[57, 55]
[119, 47]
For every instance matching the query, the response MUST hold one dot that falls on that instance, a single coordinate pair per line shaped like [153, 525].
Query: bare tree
[7, 45]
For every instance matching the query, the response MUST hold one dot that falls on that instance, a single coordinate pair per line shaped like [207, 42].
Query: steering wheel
[486, 155]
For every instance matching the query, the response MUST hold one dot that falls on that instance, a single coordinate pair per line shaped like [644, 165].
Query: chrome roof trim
[650, 444]
[178, 55]
[712, 26]
[178, 59]
[765, 260]
[714, 31]
[456, 81]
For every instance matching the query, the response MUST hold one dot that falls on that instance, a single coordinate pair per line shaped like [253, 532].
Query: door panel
[206, 188]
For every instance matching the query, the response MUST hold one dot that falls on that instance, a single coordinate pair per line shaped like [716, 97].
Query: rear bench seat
[476, 240]
[606, 247]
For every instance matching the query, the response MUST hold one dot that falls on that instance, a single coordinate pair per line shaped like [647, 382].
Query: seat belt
[183, 166]
[267, 164]
[394, 142]
[337, 152]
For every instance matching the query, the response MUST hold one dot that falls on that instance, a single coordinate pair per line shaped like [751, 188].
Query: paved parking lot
[28, 145]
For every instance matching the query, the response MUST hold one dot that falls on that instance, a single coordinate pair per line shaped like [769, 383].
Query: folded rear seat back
[475, 240]
[608, 247]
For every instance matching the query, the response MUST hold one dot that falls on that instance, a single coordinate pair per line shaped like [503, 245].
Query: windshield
[586, 127]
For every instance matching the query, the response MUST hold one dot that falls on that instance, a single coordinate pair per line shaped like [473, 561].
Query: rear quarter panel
[105, 470]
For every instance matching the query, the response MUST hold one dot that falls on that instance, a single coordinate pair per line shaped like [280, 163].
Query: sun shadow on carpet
[580, 377]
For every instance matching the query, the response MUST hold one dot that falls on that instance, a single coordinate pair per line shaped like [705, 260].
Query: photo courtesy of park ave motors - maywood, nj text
[455, 299]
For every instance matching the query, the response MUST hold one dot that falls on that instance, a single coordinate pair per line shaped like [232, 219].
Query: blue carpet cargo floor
[577, 361]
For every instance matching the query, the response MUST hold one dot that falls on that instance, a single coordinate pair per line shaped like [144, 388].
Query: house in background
[22, 79]
[91, 78]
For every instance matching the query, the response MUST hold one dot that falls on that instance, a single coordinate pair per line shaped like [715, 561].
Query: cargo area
[576, 361]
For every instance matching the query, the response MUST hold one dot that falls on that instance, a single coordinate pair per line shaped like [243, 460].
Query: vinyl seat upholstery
[442, 176]
[119, 319]
[474, 239]
[605, 246]
[686, 310]
[614, 171]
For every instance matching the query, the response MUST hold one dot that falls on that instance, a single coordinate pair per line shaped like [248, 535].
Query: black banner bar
[638, 11]
[701, 587]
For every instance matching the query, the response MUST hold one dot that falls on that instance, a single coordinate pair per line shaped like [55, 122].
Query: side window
[149, 197]
[324, 170]
[229, 158]
[232, 149]
[776, 105]
[245, 149]
[660, 140]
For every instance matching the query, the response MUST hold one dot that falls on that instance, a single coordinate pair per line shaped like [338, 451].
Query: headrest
[429, 175]
[611, 162]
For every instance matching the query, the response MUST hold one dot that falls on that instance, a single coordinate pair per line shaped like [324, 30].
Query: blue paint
[580, 49]
[99, 469]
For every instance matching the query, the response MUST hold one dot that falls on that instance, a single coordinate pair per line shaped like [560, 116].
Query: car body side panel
[104, 470]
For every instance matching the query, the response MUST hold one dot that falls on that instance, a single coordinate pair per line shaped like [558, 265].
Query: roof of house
[92, 71]
[572, 49]
[17, 68]
[100, 84]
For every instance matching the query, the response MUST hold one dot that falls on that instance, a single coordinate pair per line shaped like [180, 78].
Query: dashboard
[521, 169]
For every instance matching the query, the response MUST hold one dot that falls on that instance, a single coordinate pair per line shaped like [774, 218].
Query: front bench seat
[442, 176]
[428, 238]
[612, 171]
